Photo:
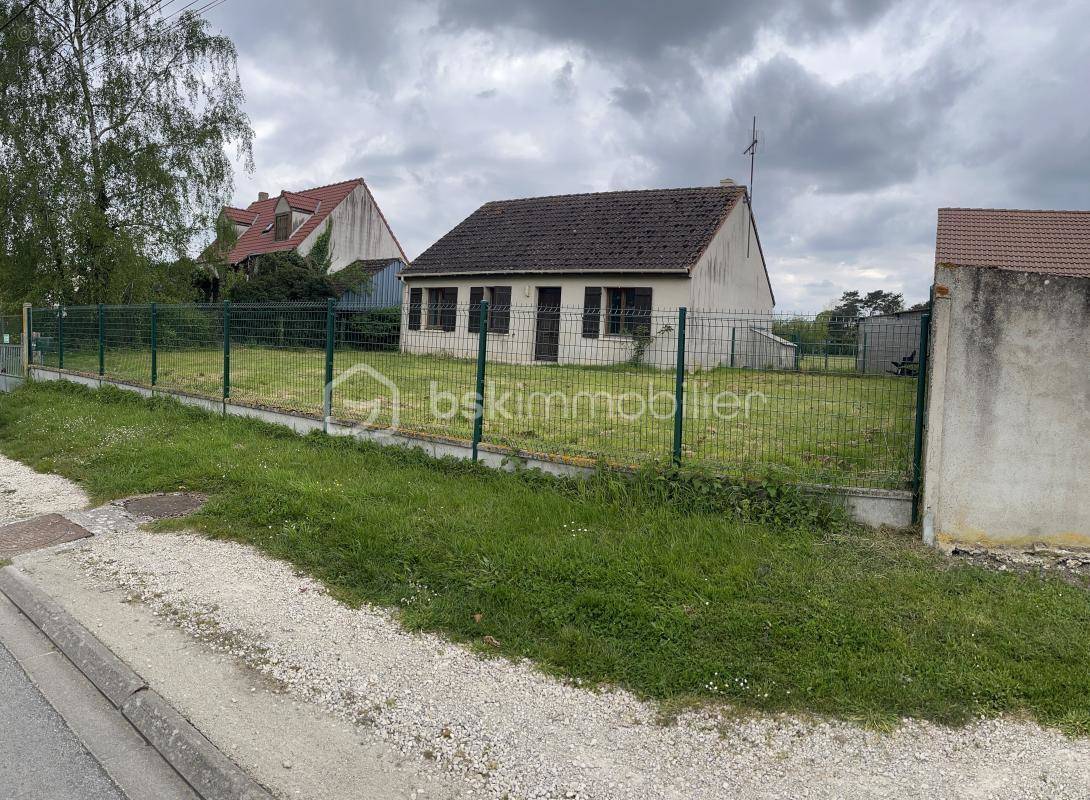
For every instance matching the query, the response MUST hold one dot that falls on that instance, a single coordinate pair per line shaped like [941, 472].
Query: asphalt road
[40, 757]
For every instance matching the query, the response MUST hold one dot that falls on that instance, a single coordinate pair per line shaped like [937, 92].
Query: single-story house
[598, 278]
[295, 220]
[1008, 405]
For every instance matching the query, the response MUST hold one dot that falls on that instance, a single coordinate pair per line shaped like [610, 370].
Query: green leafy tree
[286, 276]
[116, 124]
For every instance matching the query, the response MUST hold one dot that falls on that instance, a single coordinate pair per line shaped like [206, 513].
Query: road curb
[210, 773]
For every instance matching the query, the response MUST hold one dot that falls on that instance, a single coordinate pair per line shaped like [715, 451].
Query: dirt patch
[1072, 566]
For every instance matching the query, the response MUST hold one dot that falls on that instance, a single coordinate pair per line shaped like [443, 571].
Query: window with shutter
[592, 312]
[283, 227]
[415, 301]
[476, 294]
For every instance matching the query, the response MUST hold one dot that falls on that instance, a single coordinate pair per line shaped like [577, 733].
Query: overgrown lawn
[660, 586]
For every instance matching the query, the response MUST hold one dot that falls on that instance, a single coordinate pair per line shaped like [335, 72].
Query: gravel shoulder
[447, 722]
[25, 493]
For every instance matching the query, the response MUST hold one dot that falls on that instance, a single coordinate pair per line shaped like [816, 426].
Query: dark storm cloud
[633, 99]
[642, 28]
[859, 135]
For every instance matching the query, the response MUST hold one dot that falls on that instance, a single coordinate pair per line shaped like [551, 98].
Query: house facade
[589, 278]
[295, 220]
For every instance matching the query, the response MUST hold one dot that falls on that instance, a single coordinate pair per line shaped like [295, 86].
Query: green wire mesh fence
[826, 400]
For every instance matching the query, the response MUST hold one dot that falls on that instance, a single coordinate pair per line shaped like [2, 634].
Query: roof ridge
[1018, 210]
[324, 186]
[736, 186]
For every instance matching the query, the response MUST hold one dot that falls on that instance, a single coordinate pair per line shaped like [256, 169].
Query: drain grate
[163, 506]
[34, 534]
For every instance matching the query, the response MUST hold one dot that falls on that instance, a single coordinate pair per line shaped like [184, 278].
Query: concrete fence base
[872, 507]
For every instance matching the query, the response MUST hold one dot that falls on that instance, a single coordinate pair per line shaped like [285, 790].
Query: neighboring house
[1008, 414]
[889, 343]
[582, 278]
[294, 221]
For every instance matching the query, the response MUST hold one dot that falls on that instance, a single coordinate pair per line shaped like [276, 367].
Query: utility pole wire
[17, 14]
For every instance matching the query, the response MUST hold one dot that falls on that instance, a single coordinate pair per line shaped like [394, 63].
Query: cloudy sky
[873, 114]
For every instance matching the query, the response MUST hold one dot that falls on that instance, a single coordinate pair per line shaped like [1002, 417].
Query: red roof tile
[318, 202]
[239, 215]
[1054, 242]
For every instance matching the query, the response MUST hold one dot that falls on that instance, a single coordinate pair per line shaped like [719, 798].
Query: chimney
[727, 182]
[262, 196]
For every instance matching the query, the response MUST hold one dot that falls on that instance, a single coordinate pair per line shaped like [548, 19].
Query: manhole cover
[164, 506]
[33, 534]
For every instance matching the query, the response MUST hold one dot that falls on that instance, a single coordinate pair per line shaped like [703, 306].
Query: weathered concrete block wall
[1008, 442]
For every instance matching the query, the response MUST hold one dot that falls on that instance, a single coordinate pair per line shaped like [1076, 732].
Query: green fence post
[327, 393]
[154, 345]
[733, 331]
[60, 337]
[482, 353]
[862, 358]
[679, 384]
[28, 332]
[921, 397]
[826, 355]
[101, 340]
[226, 352]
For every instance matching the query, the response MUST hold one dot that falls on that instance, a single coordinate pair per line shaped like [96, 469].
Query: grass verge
[657, 585]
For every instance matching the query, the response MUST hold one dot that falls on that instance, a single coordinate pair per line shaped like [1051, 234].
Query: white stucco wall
[667, 292]
[359, 231]
[1008, 422]
[727, 278]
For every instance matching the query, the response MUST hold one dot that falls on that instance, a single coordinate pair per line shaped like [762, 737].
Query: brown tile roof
[652, 230]
[1054, 242]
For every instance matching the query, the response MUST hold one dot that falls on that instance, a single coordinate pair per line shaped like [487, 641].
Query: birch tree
[118, 123]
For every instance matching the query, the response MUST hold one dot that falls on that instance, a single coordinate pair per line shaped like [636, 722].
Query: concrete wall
[359, 231]
[1007, 460]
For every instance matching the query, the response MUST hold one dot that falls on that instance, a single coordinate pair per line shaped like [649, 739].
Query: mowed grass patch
[823, 427]
[603, 582]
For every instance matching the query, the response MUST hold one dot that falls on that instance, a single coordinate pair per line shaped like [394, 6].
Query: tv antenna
[751, 151]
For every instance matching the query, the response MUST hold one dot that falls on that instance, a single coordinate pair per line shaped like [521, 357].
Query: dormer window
[283, 227]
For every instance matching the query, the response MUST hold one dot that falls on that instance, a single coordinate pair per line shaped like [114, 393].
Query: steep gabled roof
[651, 230]
[1053, 242]
[318, 202]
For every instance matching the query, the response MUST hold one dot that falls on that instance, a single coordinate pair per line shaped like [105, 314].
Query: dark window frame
[628, 310]
[442, 310]
[499, 308]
